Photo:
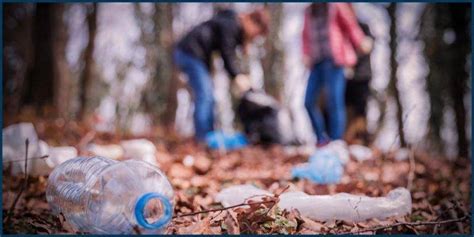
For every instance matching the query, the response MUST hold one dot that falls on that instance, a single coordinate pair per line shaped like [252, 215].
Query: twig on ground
[257, 195]
[214, 217]
[245, 203]
[23, 187]
[32, 158]
[86, 139]
[436, 223]
[222, 209]
[414, 229]
[270, 208]
[411, 173]
[282, 191]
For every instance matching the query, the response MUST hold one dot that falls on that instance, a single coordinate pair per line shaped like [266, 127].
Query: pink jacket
[345, 34]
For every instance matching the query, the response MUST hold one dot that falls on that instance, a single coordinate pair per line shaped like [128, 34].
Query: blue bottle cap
[140, 211]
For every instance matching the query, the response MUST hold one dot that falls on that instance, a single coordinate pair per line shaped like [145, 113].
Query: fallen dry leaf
[437, 181]
[231, 223]
[200, 227]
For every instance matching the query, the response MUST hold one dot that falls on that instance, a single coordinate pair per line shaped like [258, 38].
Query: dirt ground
[440, 189]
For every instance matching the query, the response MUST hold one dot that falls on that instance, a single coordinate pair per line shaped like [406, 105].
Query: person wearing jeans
[330, 37]
[201, 85]
[223, 33]
[326, 73]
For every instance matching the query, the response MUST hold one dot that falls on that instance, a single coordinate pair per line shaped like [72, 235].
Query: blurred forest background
[110, 64]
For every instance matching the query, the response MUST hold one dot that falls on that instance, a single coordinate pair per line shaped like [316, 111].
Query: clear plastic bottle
[104, 196]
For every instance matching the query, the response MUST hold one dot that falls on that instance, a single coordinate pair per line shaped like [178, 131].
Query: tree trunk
[460, 48]
[39, 86]
[435, 82]
[171, 99]
[61, 71]
[165, 69]
[17, 53]
[48, 78]
[88, 70]
[273, 61]
[160, 92]
[392, 9]
[448, 74]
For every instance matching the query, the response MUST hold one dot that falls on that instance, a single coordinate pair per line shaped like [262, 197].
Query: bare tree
[166, 72]
[160, 92]
[273, 61]
[460, 48]
[448, 74]
[87, 73]
[392, 10]
[49, 72]
[17, 53]
[435, 84]
[61, 70]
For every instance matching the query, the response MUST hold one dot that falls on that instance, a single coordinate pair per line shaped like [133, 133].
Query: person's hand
[242, 84]
[366, 45]
[307, 62]
[349, 73]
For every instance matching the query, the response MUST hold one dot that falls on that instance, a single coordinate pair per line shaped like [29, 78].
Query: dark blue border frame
[204, 1]
[1, 106]
[78, 1]
[472, 129]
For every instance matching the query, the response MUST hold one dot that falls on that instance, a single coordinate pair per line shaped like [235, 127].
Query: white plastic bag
[402, 154]
[360, 153]
[58, 155]
[140, 149]
[112, 151]
[338, 147]
[37, 166]
[348, 207]
[341, 206]
[14, 137]
[238, 194]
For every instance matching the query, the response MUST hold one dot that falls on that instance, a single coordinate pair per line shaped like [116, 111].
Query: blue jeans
[200, 81]
[327, 74]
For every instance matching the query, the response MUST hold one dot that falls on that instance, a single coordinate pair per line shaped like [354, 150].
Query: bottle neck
[153, 210]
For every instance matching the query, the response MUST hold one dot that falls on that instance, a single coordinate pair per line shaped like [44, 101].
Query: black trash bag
[258, 112]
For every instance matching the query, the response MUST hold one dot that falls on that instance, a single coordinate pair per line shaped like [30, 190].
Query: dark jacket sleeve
[227, 45]
[363, 69]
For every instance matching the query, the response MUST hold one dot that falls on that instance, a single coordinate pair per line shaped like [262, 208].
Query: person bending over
[224, 33]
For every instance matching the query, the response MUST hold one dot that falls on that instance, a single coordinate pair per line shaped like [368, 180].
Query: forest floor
[440, 189]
